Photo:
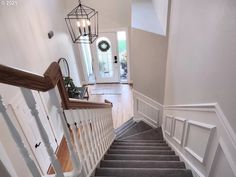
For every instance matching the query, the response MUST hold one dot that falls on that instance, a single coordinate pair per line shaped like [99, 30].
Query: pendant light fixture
[82, 23]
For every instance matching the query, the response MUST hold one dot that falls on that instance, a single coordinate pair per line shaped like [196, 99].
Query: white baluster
[97, 132]
[91, 138]
[82, 139]
[77, 168]
[18, 140]
[108, 128]
[112, 123]
[72, 123]
[100, 129]
[94, 134]
[105, 128]
[28, 95]
[85, 131]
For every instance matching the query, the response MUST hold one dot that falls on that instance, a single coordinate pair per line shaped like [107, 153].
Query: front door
[106, 62]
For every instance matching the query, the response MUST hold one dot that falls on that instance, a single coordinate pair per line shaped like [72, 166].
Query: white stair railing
[92, 129]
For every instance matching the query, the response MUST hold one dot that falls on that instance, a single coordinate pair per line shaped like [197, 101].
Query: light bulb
[88, 22]
[83, 22]
[78, 23]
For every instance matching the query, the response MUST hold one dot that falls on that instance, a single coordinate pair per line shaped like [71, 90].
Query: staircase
[140, 151]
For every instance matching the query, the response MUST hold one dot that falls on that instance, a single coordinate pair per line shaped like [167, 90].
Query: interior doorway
[106, 60]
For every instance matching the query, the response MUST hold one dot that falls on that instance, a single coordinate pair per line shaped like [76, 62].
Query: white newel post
[77, 168]
[30, 101]
[18, 140]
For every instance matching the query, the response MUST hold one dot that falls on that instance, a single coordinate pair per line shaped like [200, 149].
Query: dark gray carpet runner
[140, 151]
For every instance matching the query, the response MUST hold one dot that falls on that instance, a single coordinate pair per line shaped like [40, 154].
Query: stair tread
[141, 141]
[141, 147]
[144, 172]
[140, 151]
[141, 164]
[139, 144]
[145, 157]
[118, 151]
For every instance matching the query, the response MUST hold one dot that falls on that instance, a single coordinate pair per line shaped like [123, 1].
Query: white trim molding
[147, 109]
[231, 164]
[169, 125]
[179, 130]
[204, 128]
[208, 107]
[204, 133]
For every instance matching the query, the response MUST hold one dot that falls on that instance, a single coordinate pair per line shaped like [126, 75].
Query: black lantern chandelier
[82, 23]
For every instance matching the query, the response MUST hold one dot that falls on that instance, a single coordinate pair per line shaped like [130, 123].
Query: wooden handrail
[51, 78]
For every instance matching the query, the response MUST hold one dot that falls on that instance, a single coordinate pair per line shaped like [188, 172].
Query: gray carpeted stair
[152, 134]
[140, 147]
[140, 151]
[141, 164]
[141, 157]
[144, 172]
[136, 128]
[149, 152]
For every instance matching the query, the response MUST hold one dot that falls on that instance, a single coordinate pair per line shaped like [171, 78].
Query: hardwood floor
[120, 95]
[122, 98]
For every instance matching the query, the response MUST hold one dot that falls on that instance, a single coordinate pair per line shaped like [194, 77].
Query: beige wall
[24, 44]
[201, 58]
[148, 63]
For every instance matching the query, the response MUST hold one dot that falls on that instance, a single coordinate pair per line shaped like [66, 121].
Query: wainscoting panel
[147, 109]
[178, 130]
[197, 139]
[169, 125]
[203, 138]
